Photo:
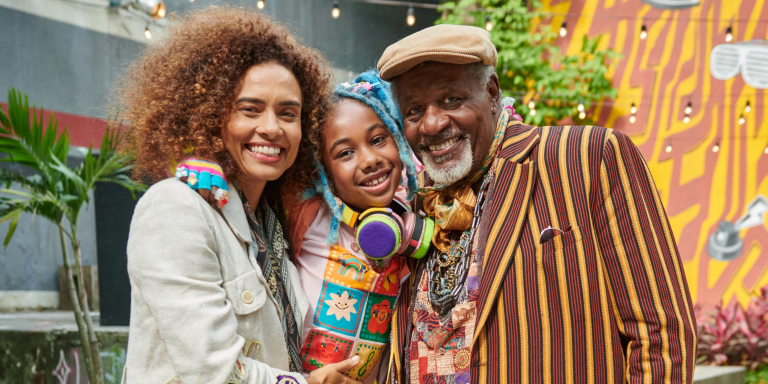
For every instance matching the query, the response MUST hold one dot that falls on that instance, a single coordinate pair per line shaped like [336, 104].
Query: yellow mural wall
[663, 73]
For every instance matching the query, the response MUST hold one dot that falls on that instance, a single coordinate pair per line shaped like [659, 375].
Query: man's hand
[331, 373]
[207, 178]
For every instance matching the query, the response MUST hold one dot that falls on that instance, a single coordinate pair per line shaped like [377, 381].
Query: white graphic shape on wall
[672, 4]
[748, 58]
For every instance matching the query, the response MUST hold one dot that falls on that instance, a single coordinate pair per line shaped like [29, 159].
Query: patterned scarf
[452, 205]
[272, 259]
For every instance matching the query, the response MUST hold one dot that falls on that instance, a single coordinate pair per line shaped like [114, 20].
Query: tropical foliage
[732, 335]
[57, 193]
[531, 66]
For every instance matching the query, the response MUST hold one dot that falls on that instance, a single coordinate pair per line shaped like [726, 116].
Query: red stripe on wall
[84, 131]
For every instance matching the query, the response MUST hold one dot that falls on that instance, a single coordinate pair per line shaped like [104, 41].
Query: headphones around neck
[395, 230]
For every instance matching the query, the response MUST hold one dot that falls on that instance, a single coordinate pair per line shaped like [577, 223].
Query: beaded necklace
[447, 271]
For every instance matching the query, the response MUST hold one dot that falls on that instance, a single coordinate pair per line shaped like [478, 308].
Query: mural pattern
[716, 200]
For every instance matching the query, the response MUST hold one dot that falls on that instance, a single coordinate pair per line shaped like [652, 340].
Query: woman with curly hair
[215, 297]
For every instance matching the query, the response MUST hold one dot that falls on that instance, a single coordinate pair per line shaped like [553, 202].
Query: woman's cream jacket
[201, 311]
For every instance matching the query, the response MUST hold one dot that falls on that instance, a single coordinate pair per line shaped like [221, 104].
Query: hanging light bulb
[765, 150]
[582, 115]
[533, 112]
[147, 33]
[580, 108]
[154, 8]
[410, 19]
[669, 147]
[742, 120]
[688, 108]
[633, 109]
[260, 4]
[643, 32]
[563, 29]
[686, 119]
[729, 34]
[335, 12]
[632, 118]
[488, 24]
[531, 104]
[747, 107]
[716, 147]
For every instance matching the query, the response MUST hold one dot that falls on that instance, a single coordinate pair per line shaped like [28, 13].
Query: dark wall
[60, 66]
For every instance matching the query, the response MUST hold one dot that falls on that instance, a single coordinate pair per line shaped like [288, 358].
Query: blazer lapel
[234, 215]
[509, 209]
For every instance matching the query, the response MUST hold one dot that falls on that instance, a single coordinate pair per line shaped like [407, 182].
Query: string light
[488, 24]
[686, 119]
[669, 147]
[632, 119]
[335, 12]
[643, 32]
[531, 104]
[580, 108]
[260, 4]
[582, 115]
[716, 147]
[533, 112]
[741, 120]
[563, 29]
[410, 19]
[147, 33]
[633, 109]
[747, 107]
[729, 33]
[766, 150]
[688, 108]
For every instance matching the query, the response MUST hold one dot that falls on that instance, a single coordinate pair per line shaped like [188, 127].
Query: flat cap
[445, 43]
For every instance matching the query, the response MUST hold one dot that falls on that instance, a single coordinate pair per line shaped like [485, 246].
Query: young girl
[350, 279]
[353, 228]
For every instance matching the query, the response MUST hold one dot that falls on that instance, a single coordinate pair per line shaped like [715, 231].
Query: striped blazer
[605, 302]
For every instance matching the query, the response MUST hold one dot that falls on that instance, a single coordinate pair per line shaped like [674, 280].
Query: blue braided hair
[369, 89]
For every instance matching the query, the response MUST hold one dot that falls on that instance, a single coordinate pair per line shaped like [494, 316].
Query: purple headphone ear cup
[379, 234]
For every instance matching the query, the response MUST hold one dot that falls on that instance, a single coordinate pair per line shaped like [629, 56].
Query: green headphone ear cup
[426, 240]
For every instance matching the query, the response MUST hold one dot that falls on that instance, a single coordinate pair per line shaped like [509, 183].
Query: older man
[554, 260]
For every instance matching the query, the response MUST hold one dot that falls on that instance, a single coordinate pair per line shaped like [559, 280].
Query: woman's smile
[268, 153]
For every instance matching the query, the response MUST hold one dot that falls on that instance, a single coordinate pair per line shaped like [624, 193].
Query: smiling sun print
[341, 306]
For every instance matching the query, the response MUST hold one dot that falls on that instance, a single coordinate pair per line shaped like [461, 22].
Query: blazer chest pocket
[562, 242]
[246, 293]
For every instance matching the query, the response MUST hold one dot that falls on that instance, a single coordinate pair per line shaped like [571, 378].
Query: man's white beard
[451, 174]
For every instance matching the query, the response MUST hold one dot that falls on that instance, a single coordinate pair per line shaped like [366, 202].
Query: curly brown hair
[179, 94]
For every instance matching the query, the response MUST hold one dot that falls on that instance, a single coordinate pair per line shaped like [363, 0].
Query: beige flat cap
[445, 43]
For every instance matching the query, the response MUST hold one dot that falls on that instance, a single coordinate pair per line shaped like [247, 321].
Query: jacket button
[247, 297]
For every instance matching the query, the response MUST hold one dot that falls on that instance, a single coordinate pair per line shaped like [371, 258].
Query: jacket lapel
[234, 215]
[509, 209]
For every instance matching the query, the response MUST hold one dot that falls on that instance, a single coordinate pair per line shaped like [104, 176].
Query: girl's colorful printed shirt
[350, 304]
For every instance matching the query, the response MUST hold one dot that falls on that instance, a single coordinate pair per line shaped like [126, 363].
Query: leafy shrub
[732, 335]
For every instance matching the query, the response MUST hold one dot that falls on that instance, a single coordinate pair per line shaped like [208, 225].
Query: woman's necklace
[447, 271]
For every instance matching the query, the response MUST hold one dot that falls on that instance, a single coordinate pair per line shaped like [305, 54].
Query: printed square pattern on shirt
[345, 269]
[369, 355]
[339, 308]
[389, 279]
[378, 316]
[323, 348]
